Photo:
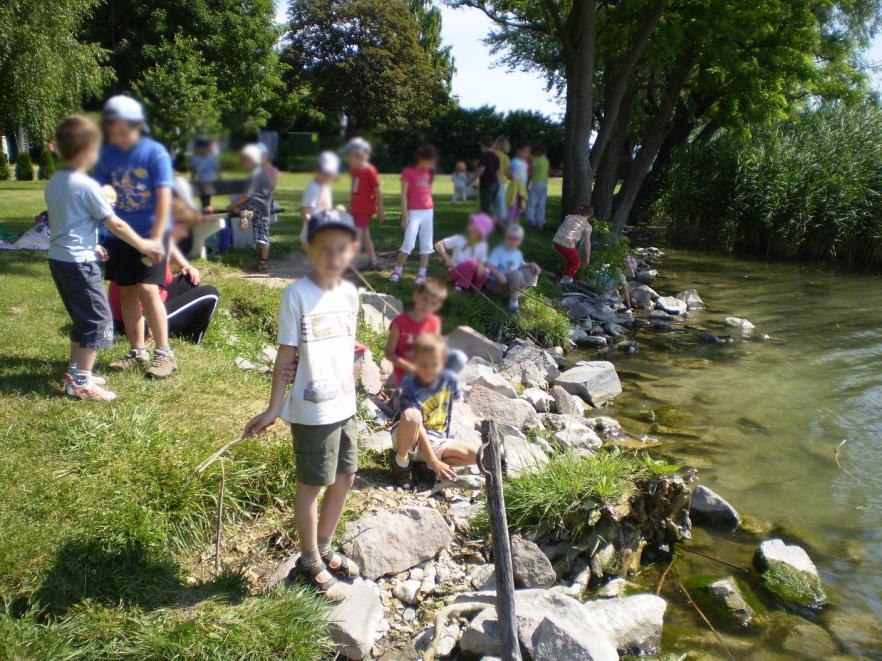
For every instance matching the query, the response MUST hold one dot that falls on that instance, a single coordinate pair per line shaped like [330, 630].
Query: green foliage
[46, 70]
[428, 18]
[288, 624]
[179, 92]
[608, 253]
[793, 586]
[809, 187]
[4, 166]
[47, 163]
[24, 167]
[366, 61]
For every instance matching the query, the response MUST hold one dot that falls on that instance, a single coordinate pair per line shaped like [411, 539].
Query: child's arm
[477, 175]
[432, 460]
[499, 275]
[404, 186]
[286, 356]
[152, 248]
[441, 249]
[587, 248]
[398, 361]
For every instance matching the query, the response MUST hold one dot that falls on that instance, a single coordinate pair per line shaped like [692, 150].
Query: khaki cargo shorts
[324, 451]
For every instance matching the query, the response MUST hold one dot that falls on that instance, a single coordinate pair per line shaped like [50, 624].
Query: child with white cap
[257, 198]
[317, 194]
[510, 275]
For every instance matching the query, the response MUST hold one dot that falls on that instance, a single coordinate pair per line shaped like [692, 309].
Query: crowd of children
[313, 388]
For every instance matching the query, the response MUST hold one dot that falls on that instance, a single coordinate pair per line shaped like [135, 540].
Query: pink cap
[482, 223]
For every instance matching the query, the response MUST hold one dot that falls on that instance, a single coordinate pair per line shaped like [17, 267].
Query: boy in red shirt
[428, 298]
[366, 198]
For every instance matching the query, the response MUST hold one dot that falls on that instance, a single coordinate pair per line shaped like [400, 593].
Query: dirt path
[282, 272]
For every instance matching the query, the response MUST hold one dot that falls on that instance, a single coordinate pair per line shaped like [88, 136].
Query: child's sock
[81, 377]
[398, 269]
[403, 462]
[310, 558]
[71, 368]
[422, 272]
[324, 546]
[513, 304]
[166, 350]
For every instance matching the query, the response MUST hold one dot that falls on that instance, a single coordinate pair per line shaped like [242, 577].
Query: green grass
[105, 530]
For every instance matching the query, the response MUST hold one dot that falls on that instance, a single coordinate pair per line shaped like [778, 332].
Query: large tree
[641, 76]
[45, 71]
[363, 59]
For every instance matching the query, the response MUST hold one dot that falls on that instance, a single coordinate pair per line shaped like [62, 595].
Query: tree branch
[508, 20]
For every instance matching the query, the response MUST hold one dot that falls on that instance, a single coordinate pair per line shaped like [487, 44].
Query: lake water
[761, 420]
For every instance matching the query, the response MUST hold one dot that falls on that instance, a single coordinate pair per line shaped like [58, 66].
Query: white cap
[125, 108]
[359, 145]
[515, 231]
[328, 163]
[252, 153]
[263, 148]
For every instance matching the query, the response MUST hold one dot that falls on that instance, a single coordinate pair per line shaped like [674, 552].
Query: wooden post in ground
[491, 460]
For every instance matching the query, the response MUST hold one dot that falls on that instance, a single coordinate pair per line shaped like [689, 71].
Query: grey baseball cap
[329, 219]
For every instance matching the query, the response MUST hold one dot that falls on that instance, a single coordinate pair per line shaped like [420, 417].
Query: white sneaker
[88, 391]
[420, 279]
[566, 280]
[395, 277]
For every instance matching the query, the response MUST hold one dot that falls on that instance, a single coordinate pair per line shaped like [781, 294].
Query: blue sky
[477, 82]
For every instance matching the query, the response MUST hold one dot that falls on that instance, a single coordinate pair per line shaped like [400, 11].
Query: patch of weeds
[371, 338]
[793, 586]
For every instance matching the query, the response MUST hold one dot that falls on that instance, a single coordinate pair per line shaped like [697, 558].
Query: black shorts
[125, 268]
[83, 295]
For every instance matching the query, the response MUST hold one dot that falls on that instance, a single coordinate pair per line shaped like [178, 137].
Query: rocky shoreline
[428, 589]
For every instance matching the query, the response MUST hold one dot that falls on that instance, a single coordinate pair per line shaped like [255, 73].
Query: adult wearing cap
[317, 194]
[140, 171]
[510, 275]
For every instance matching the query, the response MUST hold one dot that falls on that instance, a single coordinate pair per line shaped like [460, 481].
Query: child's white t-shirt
[316, 196]
[519, 170]
[460, 179]
[321, 324]
[462, 251]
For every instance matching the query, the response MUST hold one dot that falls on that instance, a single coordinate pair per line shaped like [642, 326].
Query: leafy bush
[47, 163]
[608, 253]
[810, 187]
[24, 167]
[4, 166]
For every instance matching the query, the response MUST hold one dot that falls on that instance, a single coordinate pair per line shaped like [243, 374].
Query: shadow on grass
[87, 570]
[28, 376]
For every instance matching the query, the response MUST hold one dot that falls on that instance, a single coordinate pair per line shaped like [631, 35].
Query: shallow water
[761, 420]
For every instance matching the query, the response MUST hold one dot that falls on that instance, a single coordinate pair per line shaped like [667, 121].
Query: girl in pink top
[417, 211]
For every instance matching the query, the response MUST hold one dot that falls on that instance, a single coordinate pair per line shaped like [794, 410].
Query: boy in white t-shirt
[317, 320]
[317, 194]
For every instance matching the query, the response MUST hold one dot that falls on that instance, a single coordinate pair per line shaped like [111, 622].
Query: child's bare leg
[263, 251]
[368, 244]
[82, 357]
[402, 257]
[406, 434]
[458, 453]
[332, 508]
[424, 262]
[154, 310]
[133, 317]
[306, 511]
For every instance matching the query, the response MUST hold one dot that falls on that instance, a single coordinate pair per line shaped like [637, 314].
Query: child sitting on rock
[423, 432]
[574, 230]
[510, 275]
[466, 254]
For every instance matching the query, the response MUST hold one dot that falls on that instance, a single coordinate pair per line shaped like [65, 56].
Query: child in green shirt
[538, 192]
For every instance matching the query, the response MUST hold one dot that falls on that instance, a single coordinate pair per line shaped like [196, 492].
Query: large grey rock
[463, 424]
[692, 300]
[594, 381]
[643, 296]
[671, 305]
[497, 383]
[775, 550]
[709, 507]
[521, 455]
[473, 343]
[633, 624]
[526, 365]
[380, 309]
[737, 322]
[391, 541]
[354, 623]
[726, 591]
[567, 404]
[575, 435]
[646, 275]
[476, 367]
[559, 639]
[532, 568]
[605, 426]
[446, 644]
[540, 400]
[367, 373]
[378, 441]
[481, 636]
[490, 405]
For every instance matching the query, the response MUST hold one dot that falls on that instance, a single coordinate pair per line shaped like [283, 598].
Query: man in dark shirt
[487, 174]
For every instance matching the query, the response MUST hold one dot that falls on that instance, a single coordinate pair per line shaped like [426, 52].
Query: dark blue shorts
[82, 292]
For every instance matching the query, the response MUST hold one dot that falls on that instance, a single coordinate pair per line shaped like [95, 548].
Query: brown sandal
[261, 266]
[317, 576]
[340, 565]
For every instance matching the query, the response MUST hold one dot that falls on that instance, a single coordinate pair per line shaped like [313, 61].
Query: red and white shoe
[88, 391]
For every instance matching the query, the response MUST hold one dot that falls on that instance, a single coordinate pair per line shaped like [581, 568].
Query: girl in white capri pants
[417, 211]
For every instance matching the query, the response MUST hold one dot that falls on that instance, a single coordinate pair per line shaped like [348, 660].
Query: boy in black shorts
[76, 207]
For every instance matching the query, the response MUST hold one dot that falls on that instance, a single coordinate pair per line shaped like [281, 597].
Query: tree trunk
[610, 166]
[578, 174]
[618, 83]
[655, 135]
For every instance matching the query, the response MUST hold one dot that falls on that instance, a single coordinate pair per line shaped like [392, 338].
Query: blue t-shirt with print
[505, 260]
[434, 401]
[135, 175]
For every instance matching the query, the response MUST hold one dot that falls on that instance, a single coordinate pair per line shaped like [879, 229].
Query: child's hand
[152, 250]
[404, 221]
[101, 253]
[381, 216]
[443, 470]
[259, 423]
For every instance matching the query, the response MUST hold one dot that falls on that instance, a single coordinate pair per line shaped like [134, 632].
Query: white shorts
[439, 444]
[419, 225]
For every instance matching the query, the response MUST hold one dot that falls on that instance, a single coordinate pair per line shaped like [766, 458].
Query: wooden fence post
[491, 464]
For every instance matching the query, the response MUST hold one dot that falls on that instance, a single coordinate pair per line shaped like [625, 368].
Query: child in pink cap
[466, 254]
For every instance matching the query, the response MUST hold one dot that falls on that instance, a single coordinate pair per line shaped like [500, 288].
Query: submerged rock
[643, 296]
[728, 594]
[738, 322]
[692, 300]
[789, 573]
[671, 305]
[646, 276]
[709, 507]
[594, 381]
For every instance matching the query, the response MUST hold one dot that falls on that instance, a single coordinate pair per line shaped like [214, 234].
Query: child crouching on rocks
[423, 432]
[573, 231]
[317, 320]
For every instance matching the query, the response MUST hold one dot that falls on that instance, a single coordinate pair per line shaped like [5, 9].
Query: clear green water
[761, 420]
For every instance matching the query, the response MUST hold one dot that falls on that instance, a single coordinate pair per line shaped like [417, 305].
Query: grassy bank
[105, 533]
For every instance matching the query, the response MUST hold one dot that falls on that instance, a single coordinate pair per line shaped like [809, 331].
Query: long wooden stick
[706, 621]
[220, 520]
[836, 456]
[710, 557]
[219, 453]
[505, 603]
[661, 581]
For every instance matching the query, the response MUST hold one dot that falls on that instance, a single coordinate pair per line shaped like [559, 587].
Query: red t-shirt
[419, 188]
[408, 332]
[365, 182]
